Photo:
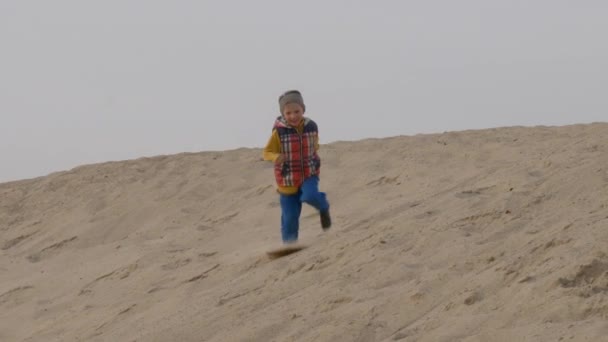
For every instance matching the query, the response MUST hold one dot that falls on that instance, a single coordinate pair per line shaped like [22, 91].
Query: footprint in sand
[477, 221]
[118, 317]
[472, 193]
[203, 275]
[334, 304]
[473, 298]
[206, 254]
[176, 264]
[118, 274]
[14, 242]
[15, 297]
[50, 250]
[384, 181]
[259, 191]
[426, 214]
[591, 279]
[209, 222]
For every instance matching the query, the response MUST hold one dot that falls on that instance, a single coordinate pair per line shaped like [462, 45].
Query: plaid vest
[301, 159]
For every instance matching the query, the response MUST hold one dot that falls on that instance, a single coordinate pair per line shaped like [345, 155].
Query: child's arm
[272, 151]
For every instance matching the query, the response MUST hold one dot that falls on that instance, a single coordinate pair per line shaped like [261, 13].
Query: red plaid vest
[301, 159]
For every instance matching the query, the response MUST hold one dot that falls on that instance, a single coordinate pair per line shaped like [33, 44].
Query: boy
[293, 148]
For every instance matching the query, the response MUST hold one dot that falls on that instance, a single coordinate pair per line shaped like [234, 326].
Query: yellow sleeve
[272, 151]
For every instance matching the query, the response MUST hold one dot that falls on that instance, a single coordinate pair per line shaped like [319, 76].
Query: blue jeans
[291, 207]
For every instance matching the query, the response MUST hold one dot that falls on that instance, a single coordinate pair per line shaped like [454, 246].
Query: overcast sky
[99, 80]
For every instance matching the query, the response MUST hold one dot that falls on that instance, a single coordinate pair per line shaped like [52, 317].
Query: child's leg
[312, 196]
[291, 208]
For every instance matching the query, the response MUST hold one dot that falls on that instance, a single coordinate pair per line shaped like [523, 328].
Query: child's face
[293, 113]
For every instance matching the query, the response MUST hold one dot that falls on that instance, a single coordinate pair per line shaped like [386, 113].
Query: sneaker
[325, 220]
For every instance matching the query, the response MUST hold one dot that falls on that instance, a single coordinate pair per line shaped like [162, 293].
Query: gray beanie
[291, 96]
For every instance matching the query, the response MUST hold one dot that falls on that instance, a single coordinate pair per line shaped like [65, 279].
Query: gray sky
[92, 81]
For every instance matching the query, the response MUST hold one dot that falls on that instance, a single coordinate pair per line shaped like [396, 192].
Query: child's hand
[279, 160]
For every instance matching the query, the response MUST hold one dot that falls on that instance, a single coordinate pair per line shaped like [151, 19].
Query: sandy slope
[491, 235]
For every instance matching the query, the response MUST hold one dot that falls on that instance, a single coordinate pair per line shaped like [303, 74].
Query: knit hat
[291, 96]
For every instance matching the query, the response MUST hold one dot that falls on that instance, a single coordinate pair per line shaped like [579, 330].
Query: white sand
[492, 235]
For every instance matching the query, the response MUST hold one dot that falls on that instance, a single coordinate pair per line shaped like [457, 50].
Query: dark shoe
[325, 220]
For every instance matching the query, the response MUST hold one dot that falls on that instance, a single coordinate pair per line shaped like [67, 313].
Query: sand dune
[487, 235]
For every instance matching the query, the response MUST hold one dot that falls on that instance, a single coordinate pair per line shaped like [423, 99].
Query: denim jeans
[291, 207]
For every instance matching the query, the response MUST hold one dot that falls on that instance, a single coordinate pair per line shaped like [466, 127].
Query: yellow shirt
[272, 151]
